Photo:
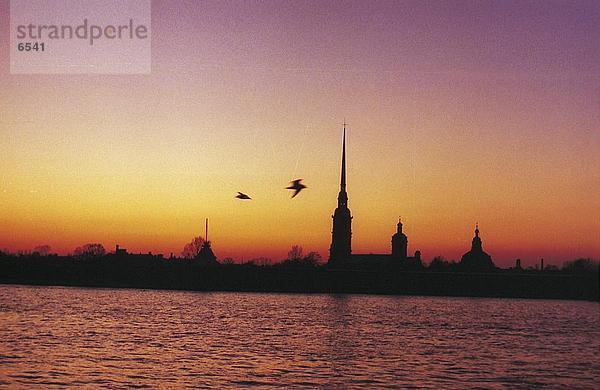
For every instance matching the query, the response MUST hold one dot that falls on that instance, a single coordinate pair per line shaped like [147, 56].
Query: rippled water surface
[124, 338]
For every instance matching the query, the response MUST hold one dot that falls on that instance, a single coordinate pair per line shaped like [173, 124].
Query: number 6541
[28, 46]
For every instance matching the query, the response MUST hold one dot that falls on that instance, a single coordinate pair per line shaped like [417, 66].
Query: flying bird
[241, 195]
[297, 186]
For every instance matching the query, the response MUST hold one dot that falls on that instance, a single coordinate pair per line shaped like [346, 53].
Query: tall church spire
[341, 240]
[343, 181]
[343, 196]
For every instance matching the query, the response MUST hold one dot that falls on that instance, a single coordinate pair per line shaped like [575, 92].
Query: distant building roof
[206, 255]
[476, 259]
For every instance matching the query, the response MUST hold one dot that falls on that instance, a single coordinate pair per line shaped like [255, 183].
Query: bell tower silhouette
[399, 243]
[341, 236]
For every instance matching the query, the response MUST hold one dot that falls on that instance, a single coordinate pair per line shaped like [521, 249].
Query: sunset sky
[458, 112]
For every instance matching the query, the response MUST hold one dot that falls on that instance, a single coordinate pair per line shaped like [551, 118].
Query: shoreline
[102, 287]
[187, 276]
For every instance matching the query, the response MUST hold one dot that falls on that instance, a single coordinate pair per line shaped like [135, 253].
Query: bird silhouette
[243, 196]
[297, 186]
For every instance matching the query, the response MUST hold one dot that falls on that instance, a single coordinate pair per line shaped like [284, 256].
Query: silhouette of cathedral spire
[343, 196]
[343, 176]
[341, 240]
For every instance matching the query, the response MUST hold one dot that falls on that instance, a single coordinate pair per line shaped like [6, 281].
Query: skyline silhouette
[345, 271]
[303, 194]
[457, 116]
[340, 253]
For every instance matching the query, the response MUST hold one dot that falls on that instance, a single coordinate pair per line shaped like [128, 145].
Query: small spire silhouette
[206, 255]
[399, 226]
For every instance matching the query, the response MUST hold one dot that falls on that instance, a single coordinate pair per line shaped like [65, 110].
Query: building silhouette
[399, 243]
[518, 264]
[476, 259]
[120, 251]
[206, 255]
[341, 235]
[121, 254]
[340, 252]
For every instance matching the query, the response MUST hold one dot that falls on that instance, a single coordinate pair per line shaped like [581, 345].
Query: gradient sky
[458, 112]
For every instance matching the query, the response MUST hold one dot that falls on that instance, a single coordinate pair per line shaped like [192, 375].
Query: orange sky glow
[454, 118]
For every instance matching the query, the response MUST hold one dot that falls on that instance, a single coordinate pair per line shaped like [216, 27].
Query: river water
[124, 338]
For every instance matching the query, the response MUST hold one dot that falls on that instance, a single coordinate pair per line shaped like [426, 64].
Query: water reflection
[68, 336]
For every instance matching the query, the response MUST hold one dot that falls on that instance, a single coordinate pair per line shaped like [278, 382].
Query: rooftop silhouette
[206, 255]
[476, 259]
[340, 254]
[392, 273]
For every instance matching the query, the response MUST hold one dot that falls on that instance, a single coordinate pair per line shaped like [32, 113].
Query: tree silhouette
[228, 261]
[90, 250]
[295, 258]
[295, 253]
[262, 261]
[312, 259]
[41, 250]
[191, 249]
[583, 265]
[439, 263]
